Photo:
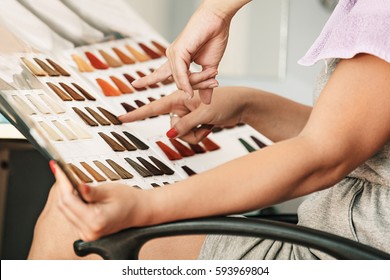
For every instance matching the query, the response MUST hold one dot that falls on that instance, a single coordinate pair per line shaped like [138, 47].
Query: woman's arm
[274, 116]
[348, 125]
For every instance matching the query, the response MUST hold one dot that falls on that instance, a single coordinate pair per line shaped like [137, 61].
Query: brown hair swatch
[47, 68]
[82, 176]
[84, 117]
[108, 172]
[97, 117]
[188, 170]
[149, 51]
[124, 142]
[96, 175]
[115, 146]
[160, 47]
[163, 167]
[110, 116]
[198, 149]
[72, 92]
[123, 173]
[58, 68]
[140, 169]
[137, 142]
[84, 92]
[259, 143]
[153, 169]
[60, 93]
[127, 107]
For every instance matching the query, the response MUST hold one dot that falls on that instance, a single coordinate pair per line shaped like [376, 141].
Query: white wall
[306, 19]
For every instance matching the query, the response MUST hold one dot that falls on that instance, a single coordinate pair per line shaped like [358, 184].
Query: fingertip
[53, 166]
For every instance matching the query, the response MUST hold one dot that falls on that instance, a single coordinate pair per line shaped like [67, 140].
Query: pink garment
[356, 26]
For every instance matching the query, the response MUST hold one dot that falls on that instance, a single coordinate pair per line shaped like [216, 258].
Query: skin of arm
[348, 125]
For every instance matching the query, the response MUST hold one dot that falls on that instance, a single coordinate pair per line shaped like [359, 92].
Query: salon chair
[127, 243]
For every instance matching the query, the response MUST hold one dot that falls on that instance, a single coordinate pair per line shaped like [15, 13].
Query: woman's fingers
[160, 74]
[206, 95]
[186, 126]
[69, 203]
[159, 107]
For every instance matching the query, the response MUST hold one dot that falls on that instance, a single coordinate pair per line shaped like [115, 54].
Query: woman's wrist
[225, 9]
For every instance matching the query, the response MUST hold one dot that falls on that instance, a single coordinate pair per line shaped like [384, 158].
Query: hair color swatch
[110, 116]
[82, 65]
[162, 166]
[72, 92]
[84, 92]
[140, 169]
[171, 154]
[33, 68]
[181, 148]
[111, 61]
[259, 143]
[96, 175]
[123, 173]
[137, 142]
[123, 57]
[247, 146]
[80, 174]
[115, 146]
[87, 120]
[124, 142]
[96, 62]
[97, 117]
[153, 169]
[60, 93]
[58, 68]
[50, 71]
[108, 172]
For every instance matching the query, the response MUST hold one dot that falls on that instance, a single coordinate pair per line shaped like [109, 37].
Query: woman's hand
[110, 207]
[202, 41]
[191, 119]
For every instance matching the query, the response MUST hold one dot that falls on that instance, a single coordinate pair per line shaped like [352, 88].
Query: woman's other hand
[202, 41]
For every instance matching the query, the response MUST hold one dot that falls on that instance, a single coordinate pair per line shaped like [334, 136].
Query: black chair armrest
[127, 243]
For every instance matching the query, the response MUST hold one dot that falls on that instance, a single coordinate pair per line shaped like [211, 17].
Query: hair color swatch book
[75, 95]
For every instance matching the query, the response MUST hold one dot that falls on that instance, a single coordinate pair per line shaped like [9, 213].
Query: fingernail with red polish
[87, 188]
[52, 165]
[172, 133]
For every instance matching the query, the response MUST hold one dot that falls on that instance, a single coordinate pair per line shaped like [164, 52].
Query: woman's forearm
[276, 117]
[248, 183]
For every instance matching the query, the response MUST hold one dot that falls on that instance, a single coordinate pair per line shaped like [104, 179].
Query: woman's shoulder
[356, 26]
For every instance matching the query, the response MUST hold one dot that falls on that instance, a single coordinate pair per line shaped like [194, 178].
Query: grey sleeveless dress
[357, 208]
